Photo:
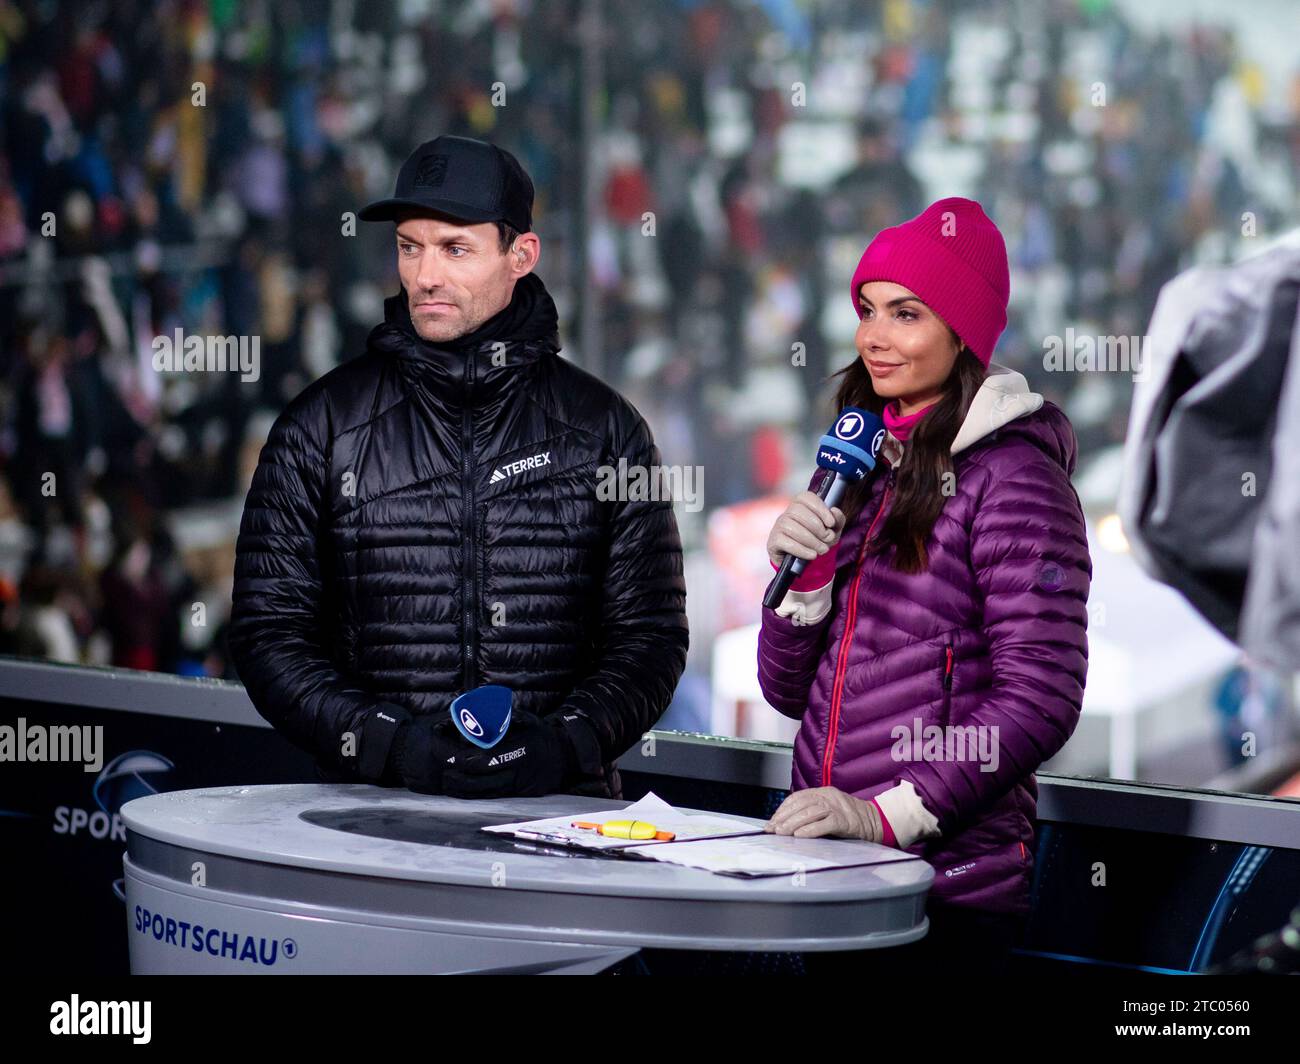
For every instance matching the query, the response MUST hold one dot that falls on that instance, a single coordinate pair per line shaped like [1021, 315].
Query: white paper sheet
[773, 855]
[652, 808]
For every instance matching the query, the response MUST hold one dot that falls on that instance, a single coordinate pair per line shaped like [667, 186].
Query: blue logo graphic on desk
[483, 714]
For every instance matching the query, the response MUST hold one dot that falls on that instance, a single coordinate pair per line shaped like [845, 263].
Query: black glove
[422, 750]
[534, 757]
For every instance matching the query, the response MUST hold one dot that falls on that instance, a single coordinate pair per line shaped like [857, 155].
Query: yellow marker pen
[639, 830]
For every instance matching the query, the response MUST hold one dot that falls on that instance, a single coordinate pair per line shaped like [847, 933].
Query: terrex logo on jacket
[424, 519]
[511, 468]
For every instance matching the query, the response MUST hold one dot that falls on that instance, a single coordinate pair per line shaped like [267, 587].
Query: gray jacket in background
[1210, 497]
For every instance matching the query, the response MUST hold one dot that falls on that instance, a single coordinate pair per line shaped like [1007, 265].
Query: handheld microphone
[848, 453]
[482, 715]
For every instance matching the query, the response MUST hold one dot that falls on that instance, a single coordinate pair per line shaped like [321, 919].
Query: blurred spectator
[172, 165]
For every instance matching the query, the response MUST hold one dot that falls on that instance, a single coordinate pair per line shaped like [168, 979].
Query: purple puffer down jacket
[992, 634]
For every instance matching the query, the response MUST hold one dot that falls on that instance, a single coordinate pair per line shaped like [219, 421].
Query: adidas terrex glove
[422, 750]
[534, 757]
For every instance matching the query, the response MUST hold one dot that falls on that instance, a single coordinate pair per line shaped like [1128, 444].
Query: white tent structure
[1153, 663]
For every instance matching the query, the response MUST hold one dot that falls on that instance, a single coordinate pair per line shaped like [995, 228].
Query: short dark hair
[506, 235]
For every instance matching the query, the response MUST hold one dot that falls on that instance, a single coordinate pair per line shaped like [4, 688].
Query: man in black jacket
[437, 515]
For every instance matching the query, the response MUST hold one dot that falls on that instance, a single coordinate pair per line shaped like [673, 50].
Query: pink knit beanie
[954, 258]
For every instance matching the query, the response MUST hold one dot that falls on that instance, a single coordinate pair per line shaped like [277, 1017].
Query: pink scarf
[901, 425]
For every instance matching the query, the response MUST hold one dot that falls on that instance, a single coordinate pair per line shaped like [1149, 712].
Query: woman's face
[907, 348]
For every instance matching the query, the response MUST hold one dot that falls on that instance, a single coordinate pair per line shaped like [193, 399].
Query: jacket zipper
[469, 640]
[837, 689]
[947, 682]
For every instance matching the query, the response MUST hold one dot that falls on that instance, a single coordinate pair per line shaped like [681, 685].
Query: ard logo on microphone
[472, 725]
[850, 425]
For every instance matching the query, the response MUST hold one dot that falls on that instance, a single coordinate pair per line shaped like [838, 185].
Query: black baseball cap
[464, 178]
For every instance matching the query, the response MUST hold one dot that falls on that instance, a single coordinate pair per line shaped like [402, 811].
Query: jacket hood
[1005, 405]
[1005, 402]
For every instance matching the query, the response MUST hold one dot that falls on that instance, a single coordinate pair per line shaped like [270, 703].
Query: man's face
[454, 273]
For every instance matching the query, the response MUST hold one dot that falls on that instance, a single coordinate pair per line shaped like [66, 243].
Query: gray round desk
[333, 878]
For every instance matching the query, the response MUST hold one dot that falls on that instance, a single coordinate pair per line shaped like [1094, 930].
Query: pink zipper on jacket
[837, 688]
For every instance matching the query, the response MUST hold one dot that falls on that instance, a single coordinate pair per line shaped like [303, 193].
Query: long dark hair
[926, 467]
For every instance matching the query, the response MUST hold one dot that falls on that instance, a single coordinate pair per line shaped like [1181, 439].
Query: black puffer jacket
[424, 520]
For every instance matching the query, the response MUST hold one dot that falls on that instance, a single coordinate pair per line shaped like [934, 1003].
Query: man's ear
[522, 256]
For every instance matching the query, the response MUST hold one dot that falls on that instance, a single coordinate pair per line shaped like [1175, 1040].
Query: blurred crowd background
[707, 174]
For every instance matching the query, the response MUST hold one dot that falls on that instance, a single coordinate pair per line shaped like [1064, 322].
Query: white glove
[816, 811]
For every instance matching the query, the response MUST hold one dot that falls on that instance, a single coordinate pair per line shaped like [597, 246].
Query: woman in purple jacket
[935, 648]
